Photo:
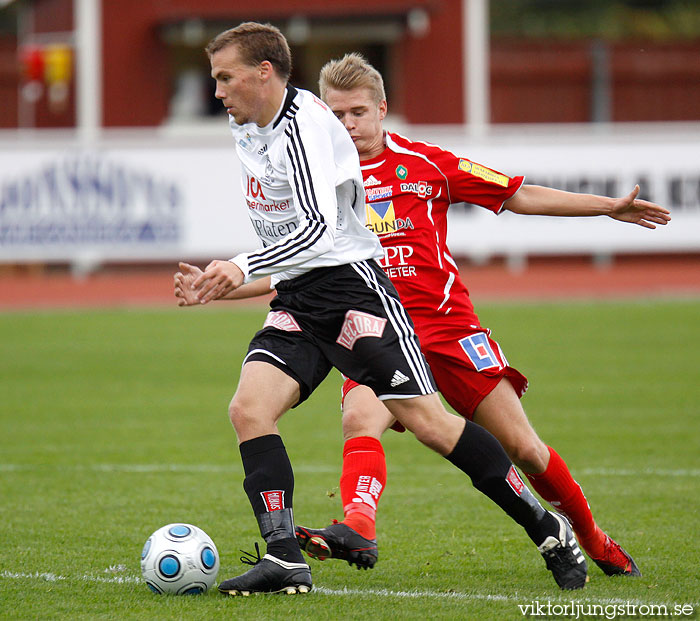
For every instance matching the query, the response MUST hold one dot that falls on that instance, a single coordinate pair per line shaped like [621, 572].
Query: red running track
[660, 277]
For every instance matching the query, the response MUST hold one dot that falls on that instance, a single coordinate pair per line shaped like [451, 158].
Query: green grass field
[114, 423]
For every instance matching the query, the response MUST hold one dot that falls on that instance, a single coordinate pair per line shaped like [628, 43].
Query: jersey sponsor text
[395, 262]
[421, 188]
[381, 219]
[484, 173]
[273, 229]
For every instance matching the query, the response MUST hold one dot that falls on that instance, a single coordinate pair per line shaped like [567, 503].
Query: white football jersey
[302, 182]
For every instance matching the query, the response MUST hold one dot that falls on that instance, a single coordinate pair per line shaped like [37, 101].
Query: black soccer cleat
[338, 541]
[269, 575]
[616, 562]
[564, 557]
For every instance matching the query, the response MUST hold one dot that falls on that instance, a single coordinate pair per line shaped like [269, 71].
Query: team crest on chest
[269, 171]
[246, 142]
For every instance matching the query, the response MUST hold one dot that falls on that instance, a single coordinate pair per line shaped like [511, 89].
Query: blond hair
[256, 43]
[351, 71]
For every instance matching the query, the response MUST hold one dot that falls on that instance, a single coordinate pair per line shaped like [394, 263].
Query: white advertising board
[164, 200]
[144, 203]
[667, 170]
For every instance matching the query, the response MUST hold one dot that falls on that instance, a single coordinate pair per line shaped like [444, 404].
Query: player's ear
[265, 70]
[383, 109]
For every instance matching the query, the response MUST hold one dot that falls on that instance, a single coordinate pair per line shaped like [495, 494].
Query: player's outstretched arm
[542, 201]
[183, 282]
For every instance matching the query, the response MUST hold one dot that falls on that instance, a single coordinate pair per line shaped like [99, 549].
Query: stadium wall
[532, 81]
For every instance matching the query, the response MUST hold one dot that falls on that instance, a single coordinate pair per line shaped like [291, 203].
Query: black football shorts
[348, 317]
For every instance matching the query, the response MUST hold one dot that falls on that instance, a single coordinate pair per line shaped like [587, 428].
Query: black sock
[269, 484]
[479, 454]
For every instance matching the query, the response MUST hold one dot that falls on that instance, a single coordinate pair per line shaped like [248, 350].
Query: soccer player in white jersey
[410, 186]
[335, 307]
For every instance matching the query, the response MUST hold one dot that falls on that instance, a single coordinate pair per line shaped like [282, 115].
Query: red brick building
[152, 58]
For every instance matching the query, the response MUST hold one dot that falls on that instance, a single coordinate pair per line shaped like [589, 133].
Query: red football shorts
[465, 370]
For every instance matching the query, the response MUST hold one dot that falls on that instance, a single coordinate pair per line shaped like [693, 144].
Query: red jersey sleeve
[467, 181]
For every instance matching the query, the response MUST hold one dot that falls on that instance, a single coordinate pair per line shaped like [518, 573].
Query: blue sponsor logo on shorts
[478, 348]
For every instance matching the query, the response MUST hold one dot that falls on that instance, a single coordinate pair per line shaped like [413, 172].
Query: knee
[529, 454]
[438, 430]
[239, 415]
[354, 423]
[441, 434]
[434, 439]
[358, 423]
[430, 422]
[364, 415]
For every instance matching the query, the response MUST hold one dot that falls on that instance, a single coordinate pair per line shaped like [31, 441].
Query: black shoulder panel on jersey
[291, 94]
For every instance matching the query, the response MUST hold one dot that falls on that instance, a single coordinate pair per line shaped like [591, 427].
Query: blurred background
[114, 154]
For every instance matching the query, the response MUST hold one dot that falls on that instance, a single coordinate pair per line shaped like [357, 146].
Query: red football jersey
[409, 188]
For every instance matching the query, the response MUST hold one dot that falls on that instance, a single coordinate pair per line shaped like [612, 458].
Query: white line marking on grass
[142, 468]
[630, 472]
[51, 577]
[417, 594]
[155, 468]
[316, 469]
[414, 594]
[514, 597]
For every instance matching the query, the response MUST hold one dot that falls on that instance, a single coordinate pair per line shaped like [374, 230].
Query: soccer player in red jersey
[409, 187]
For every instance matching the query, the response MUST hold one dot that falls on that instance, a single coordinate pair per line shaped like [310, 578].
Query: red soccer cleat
[338, 541]
[615, 561]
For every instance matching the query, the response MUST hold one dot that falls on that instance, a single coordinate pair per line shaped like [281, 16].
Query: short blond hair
[351, 71]
[256, 43]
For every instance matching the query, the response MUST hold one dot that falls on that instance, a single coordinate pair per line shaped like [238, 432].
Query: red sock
[362, 483]
[558, 488]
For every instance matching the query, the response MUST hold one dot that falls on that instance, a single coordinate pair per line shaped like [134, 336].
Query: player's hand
[637, 211]
[182, 283]
[218, 280]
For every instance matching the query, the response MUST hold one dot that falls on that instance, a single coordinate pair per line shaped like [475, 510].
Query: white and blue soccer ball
[180, 559]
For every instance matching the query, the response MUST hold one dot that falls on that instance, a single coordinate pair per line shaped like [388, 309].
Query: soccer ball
[180, 559]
